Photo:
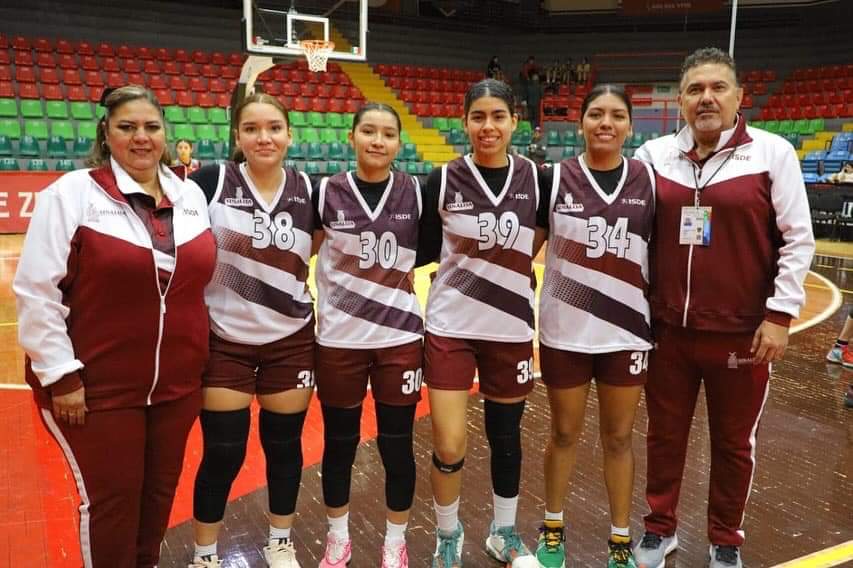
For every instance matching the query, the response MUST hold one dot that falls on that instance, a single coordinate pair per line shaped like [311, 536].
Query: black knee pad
[342, 430]
[503, 430]
[395, 447]
[281, 438]
[225, 434]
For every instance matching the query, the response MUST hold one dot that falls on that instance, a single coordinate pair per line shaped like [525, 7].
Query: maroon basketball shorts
[395, 374]
[505, 369]
[563, 369]
[263, 369]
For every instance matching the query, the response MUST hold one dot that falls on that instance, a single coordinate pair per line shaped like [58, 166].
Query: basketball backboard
[275, 27]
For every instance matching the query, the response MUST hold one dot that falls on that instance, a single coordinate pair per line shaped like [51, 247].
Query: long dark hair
[607, 89]
[100, 153]
[237, 155]
[490, 88]
[382, 107]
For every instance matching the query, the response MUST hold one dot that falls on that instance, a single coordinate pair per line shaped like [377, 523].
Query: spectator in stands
[569, 71]
[843, 176]
[582, 71]
[261, 327]
[534, 99]
[841, 354]
[493, 70]
[553, 75]
[731, 329]
[529, 69]
[117, 381]
[184, 150]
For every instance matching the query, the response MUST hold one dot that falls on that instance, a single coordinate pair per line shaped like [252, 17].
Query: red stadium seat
[236, 59]
[381, 69]
[434, 73]
[184, 98]
[216, 86]
[152, 66]
[286, 102]
[223, 100]
[271, 88]
[405, 96]
[394, 82]
[177, 83]
[421, 97]
[71, 77]
[25, 74]
[28, 91]
[191, 70]
[336, 105]
[85, 48]
[421, 109]
[198, 84]
[90, 63]
[437, 109]
[290, 89]
[95, 94]
[93, 79]
[409, 84]
[343, 79]
[421, 72]
[774, 101]
[4, 41]
[434, 97]
[182, 55]
[210, 70]
[115, 80]
[848, 110]
[157, 82]
[162, 54]
[77, 93]
[21, 43]
[63, 46]
[753, 76]
[330, 77]
[314, 77]
[340, 91]
[218, 58]
[67, 61]
[105, 49]
[352, 105]
[319, 104]
[448, 98]
[759, 89]
[574, 115]
[768, 75]
[145, 53]
[44, 59]
[230, 72]
[301, 104]
[206, 100]
[136, 79]
[838, 110]
[110, 65]
[324, 90]
[395, 70]
[309, 90]
[53, 93]
[49, 75]
[164, 97]
[825, 111]
[5, 73]
[6, 90]
[4, 57]
[24, 58]
[200, 57]
[746, 102]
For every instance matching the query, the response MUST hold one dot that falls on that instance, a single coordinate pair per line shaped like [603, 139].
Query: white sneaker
[281, 555]
[209, 561]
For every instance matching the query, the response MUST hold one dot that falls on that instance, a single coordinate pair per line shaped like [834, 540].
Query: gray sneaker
[652, 550]
[725, 556]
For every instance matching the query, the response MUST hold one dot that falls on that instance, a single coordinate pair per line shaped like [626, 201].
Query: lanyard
[708, 181]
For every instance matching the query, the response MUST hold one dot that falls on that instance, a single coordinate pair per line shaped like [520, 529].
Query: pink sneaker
[338, 552]
[395, 556]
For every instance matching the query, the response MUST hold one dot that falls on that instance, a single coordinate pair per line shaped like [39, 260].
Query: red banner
[669, 7]
[18, 192]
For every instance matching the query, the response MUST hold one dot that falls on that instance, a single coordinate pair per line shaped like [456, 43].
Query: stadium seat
[10, 128]
[333, 168]
[29, 146]
[36, 129]
[6, 146]
[57, 109]
[456, 137]
[553, 138]
[296, 151]
[309, 135]
[49, 75]
[87, 129]
[521, 137]
[9, 165]
[408, 153]
[81, 111]
[336, 151]
[8, 108]
[82, 146]
[184, 131]
[205, 149]
[37, 165]
[205, 131]
[62, 128]
[329, 135]
[56, 147]
[218, 116]
[568, 152]
[64, 165]
[441, 124]
[315, 151]
[312, 168]
[316, 119]
[196, 115]
[31, 109]
[175, 115]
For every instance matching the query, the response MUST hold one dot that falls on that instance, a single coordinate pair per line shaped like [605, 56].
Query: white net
[317, 53]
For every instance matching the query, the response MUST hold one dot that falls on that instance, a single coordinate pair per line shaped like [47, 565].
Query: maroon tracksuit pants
[126, 463]
[735, 392]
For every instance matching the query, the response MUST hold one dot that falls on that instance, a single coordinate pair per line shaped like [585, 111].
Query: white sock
[340, 526]
[505, 510]
[447, 516]
[394, 533]
[204, 550]
[619, 531]
[277, 534]
[549, 516]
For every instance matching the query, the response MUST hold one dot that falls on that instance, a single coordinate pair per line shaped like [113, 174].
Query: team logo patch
[342, 222]
[238, 200]
[93, 215]
[568, 205]
[458, 204]
[633, 201]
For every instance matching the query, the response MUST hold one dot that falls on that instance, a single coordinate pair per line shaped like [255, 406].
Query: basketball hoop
[317, 53]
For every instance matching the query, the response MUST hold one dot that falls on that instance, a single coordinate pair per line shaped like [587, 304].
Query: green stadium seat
[772, 126]
[316, 119]
[184, 131]
[343, 136]
[29, 146]
[205, 131]
[31, 109]
[553, 138]
[336, 120]
[6, 146]
[297, 119]
[175, 115]
[329, 135]
[405, 138]
[8, 108]
[440, 123]
[457, 137]
[196, 115]
[315, 151]
[817, 125]
[218, 115]
[87, 129]
[637, 140]
[336, 151]
[37, 165]
[82, 146]
[8, 165]
[352, 165]
[802, 127]
[56, 147]
[57, 109]
[408, 153]
[413, 168]
[786, 127]
[62, 128]
[100, 112]
[427, 166]
[570, 137]
[524, 126]
[309, 135]
[348, 117]
[205, 150]
[65, 165]
[757, 124]
[312, 168]
[793, 138]
[296, 152]
[568, 152]
[521, 137]
[455, 122]
[223, 132]
[333, 167]
[36, 129]
[82, 110]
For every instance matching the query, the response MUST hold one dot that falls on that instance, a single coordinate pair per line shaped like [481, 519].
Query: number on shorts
[525, 369]
[602, 238]
[373, 250]
[494, 231]
[306, 379]
[413, 379]
[276, 231]
[640, 362]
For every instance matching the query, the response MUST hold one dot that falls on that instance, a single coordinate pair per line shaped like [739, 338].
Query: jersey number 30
[382, 250]
[276, 231]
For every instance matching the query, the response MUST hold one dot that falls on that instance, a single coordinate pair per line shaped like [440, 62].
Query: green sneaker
[620, 555]
[551, 552]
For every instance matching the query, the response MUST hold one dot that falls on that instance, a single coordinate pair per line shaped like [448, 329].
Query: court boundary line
[827, 312]
[832, 556]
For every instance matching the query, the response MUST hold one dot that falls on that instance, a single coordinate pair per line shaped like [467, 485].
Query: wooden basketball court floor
[800, 512]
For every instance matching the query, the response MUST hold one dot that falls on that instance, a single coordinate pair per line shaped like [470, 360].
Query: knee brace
[503, 430]
[225, 435]
[395, 425]
[281, 438]
[447, 467]
[342, 430]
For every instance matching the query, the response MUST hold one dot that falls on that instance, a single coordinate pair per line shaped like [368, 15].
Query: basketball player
[262, 326]
[369, 327]
[480, 316]
[594, 316]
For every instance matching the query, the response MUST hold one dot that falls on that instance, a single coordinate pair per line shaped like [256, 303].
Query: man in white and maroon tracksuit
[732, 245]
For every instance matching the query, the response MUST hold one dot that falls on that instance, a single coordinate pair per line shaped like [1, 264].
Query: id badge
[695, 226]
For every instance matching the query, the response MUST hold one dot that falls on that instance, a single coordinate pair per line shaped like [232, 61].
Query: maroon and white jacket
[90, 304]
[761, 235]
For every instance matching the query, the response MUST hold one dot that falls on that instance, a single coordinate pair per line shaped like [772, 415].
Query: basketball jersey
[597, 267]
[483, 288]
[258, 293]
[365, 297]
